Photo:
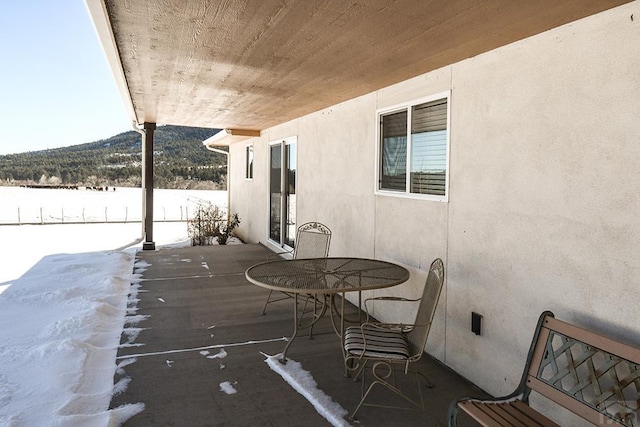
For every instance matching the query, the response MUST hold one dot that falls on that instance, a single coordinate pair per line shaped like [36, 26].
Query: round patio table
[324, 276]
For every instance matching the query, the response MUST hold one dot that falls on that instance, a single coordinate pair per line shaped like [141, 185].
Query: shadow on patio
[204, 329]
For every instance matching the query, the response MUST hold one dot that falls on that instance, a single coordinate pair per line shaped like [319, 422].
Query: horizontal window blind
[394, 151]
[394, 124]
[429, 117]
[429, 148]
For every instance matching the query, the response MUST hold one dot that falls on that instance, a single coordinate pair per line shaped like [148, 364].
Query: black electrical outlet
[476, 323]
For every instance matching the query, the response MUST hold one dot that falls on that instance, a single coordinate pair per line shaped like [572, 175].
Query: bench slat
[480, 412]
[534, 415]
[513, 414]
[510, 414]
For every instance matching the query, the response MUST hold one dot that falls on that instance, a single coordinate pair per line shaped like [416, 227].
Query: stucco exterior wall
[544, 192]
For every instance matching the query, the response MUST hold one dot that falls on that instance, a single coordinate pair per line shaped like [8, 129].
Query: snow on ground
[60, 325]
[303, 383]
[63, 301]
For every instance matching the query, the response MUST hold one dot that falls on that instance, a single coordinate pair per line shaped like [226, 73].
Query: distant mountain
[180, 161]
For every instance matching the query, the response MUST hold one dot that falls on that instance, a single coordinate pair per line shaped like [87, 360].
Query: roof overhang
[253, 65]
[228, 136]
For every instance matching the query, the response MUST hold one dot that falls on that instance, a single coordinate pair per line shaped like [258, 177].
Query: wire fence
[90, 215]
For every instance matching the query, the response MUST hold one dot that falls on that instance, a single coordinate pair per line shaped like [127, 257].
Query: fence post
[83, 217]
[105, 215]
[41, 217]
[62, 215]
[126, 213]
[19, 223]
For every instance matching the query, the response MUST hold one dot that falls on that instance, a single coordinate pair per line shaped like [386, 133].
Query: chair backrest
[427, 309]
[312, 241]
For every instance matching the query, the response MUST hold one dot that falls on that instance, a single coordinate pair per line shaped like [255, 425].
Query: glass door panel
[282, 193]
[275, 194]
[290, 193]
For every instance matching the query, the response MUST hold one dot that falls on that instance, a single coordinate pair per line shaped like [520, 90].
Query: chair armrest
[380, 325]
[396, 299]
[404, 327]
[387, 326]
[387, 298]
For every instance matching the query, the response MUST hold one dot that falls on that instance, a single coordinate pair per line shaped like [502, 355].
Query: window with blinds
[394, 151]
[429, 148]
[415, 138]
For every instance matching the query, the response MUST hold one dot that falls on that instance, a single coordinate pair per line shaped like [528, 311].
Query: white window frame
[408, 107]
[249, 166]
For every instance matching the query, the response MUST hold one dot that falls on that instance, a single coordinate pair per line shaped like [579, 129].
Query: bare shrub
[211, 222]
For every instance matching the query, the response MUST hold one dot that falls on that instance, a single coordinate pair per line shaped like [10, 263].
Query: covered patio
[195, 334]
[535, 108]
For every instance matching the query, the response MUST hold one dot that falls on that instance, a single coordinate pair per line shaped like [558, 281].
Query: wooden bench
[591, 375]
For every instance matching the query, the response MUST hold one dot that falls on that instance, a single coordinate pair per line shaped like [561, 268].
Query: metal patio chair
[386, 346]
[312, 241]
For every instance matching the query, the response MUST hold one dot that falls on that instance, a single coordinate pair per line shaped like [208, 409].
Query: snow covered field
[22, 246]
[63, 301]
[49, 206]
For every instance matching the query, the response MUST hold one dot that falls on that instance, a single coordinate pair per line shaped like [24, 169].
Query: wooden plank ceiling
[252, 64]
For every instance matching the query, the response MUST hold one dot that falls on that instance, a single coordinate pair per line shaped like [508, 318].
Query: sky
[64, 303]
[56, 87]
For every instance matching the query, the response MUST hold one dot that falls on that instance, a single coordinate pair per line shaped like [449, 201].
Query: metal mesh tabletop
[326, 275]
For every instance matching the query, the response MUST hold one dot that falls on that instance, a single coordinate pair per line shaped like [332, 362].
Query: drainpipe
[147, 130]
[226, 153]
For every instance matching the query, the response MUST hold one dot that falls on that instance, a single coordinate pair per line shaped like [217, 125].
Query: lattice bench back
[591, 375]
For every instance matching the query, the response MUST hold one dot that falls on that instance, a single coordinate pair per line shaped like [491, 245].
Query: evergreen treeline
[180, 161]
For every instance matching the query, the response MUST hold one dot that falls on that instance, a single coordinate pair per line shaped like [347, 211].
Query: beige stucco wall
[543, 200]
[545, 190]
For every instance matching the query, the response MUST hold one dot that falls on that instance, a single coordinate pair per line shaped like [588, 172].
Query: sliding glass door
[282, 192]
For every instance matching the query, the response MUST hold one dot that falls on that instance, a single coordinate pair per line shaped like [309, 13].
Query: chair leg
[349, 366]
[270, 300]
[381, 378]
[352, 416]
[317, 313]
[319, 310]
[264, 309]
[314, 315]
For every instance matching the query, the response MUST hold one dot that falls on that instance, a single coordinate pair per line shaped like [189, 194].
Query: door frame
[285, 209]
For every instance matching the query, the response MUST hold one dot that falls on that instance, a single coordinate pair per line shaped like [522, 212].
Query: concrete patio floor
[204, 328]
